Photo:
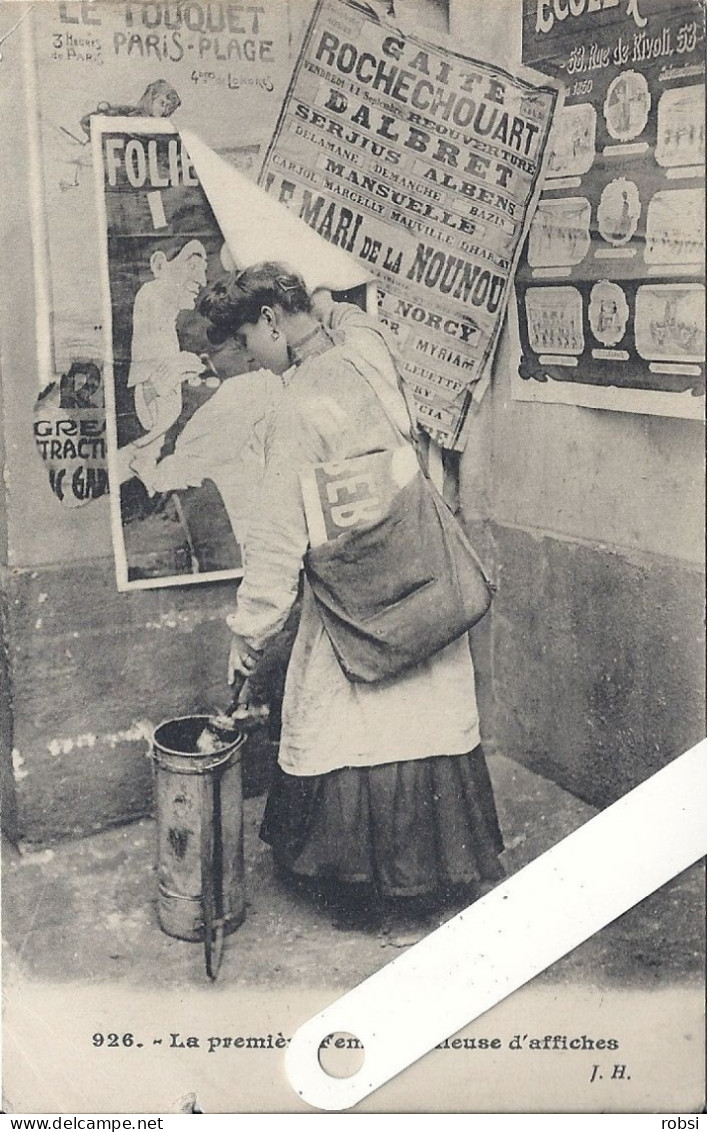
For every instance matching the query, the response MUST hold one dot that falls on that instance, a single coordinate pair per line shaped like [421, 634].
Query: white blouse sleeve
[278, 535]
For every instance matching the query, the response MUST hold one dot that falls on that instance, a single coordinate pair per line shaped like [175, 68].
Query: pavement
[85, 910]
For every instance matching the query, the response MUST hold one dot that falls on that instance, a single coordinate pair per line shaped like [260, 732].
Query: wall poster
[610, 294]
[181, 482]
[424, 164]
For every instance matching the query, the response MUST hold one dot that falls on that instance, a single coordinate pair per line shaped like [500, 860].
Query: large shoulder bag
[395, 591]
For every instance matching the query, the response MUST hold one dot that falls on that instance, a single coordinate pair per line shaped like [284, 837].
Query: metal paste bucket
[200, 836]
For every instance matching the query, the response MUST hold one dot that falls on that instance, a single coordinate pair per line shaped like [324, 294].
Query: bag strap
[390, 401]
[384, 396]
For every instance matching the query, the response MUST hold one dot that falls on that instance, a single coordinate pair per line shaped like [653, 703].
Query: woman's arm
[278, 535]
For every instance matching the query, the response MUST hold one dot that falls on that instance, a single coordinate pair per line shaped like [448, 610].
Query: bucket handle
[213, 927]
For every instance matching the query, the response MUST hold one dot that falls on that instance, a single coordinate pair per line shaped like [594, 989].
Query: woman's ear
[270, 317]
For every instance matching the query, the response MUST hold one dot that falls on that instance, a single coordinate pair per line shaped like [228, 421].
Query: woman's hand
[169, 373]
[323, 304]
[242, 658]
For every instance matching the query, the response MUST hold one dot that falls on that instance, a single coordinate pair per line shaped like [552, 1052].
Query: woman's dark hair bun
[239, 297]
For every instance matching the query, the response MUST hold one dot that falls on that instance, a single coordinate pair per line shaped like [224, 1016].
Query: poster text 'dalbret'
[423, 164]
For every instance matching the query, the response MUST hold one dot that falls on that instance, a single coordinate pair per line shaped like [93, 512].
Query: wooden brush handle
[239, 681]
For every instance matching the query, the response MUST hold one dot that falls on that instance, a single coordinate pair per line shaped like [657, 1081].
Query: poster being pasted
[423, 164]
[610, 294]
[181, 480]
[219, 66]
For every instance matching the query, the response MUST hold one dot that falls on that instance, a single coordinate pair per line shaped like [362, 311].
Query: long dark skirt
[408, 828]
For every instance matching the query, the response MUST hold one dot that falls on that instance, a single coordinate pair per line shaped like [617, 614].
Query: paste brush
[225, 727]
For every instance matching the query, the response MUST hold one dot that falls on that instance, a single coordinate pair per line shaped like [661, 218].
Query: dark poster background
[610, 286]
